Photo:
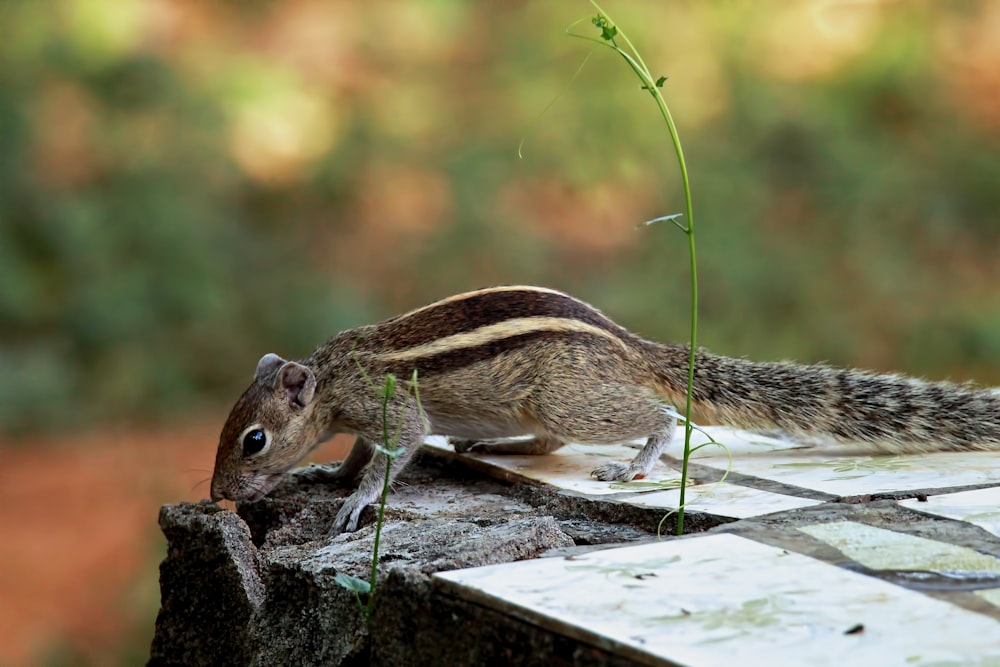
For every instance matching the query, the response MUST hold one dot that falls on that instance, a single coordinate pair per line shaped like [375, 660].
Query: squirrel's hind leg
[641, 464]
[597, 412]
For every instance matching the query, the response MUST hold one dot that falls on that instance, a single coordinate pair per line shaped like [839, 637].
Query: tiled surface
[858, 475]
[980, 507]
[991, 595]
[881, 549]
[723, 499]
[827, 468]
[724, 600]
[835, 469]
[569, 467]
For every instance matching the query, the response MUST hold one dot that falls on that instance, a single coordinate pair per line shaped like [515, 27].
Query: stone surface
[209, 580]
[795, 554]
[267, 598]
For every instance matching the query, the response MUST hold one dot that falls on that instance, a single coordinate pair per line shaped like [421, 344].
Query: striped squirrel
[514, 361]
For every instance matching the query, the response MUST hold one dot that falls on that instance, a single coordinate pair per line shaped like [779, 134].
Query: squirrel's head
[268, 431]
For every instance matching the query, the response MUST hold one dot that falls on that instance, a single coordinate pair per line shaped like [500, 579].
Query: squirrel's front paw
[616, 472]
[347, 517]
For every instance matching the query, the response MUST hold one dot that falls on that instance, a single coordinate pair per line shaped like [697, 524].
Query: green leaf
[608, 30]
[668, 218]
[352, 584]
[389, 388]
[658, 83]
[393, 453]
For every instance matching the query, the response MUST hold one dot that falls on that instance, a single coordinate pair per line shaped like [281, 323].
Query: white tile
[980, 507]
[736, 441]
[724, 600]
[723, 499]
[881, 549]
[991, 595]
[840, 470]
[843, 469]
[569, 467]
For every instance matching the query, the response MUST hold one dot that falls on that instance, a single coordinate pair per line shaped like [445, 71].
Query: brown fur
[514, 361]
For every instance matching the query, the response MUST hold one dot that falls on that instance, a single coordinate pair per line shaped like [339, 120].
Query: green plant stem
[378, 537]
[650, 85]
[388, 391]
[689, 231]
[390, 450]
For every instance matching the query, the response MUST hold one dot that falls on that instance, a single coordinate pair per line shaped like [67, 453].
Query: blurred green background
[187, 185]
[184, 186]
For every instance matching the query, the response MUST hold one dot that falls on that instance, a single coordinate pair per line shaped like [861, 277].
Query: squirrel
[530, 361]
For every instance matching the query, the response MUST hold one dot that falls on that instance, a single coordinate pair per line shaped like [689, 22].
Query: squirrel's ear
[267, 365]
[298, 382]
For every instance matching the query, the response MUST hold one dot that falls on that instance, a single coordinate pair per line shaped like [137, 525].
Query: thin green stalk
[392, 451]
[390, 386]
[609, 31]
[378, 537]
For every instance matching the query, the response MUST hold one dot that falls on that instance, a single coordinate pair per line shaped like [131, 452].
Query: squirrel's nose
[218, 493]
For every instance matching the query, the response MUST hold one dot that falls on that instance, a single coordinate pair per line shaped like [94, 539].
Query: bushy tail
[894, 413]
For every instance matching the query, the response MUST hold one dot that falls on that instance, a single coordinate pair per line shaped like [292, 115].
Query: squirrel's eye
[254, 442]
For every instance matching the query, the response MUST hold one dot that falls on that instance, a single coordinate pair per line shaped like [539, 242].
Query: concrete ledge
[258, 588]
